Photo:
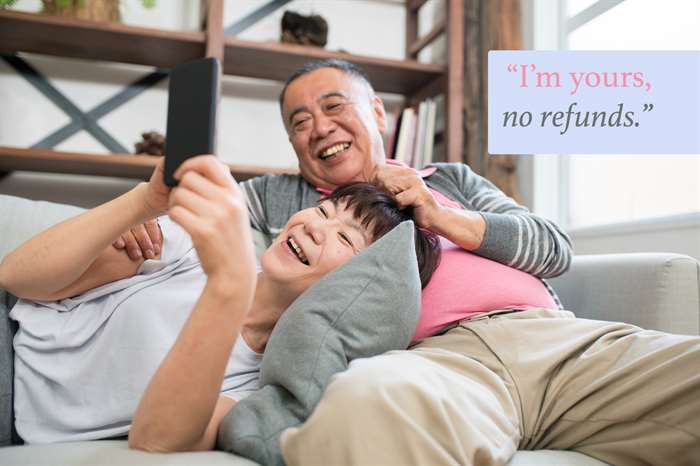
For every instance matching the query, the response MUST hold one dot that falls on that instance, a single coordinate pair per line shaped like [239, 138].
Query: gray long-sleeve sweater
[514, 236]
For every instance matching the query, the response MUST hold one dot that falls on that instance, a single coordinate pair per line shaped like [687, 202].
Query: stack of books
[413, 139]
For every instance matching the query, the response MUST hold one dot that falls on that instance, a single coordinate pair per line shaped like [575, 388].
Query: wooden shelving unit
[117, 165]
[271, 60]
[66, 37]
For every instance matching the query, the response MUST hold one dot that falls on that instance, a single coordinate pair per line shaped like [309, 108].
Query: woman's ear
[379, 113]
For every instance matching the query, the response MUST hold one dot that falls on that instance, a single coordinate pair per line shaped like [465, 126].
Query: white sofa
[658, 291]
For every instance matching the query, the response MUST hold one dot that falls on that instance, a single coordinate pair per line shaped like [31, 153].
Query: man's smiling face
[334, 122]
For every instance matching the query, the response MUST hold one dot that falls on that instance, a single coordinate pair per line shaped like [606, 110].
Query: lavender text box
[670, 82]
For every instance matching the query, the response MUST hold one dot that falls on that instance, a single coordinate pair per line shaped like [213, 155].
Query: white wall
[250, 129]
[542, 180]
[679, 234]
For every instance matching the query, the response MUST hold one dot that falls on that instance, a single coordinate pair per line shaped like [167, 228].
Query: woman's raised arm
[76, 255]
[182, 408]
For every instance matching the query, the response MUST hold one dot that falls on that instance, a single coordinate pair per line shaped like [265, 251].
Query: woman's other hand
[158, 192]
[145, 240]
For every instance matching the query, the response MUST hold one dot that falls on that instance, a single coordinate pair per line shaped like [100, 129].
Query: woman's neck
[268, 306]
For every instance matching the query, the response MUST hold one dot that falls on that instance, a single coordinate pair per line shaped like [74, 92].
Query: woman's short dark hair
[377, 210]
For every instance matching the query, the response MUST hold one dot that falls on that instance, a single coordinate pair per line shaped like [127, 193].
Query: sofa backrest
[657, 291]
[20, 219]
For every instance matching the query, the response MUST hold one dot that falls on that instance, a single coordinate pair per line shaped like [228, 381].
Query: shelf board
[75, 38]
[272, 60]
[116, 165]
[68, 37]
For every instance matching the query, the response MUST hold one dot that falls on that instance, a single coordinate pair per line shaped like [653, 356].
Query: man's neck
[268, 306]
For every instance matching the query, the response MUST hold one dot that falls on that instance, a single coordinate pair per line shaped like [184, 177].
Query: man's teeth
[335, 149]
[295, 247]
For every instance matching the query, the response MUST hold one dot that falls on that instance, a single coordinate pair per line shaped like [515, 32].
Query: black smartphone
[192, 100]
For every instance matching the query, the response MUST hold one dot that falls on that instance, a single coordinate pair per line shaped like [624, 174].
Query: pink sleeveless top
[465, 285]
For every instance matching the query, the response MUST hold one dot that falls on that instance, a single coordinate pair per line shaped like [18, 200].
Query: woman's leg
[446, 402]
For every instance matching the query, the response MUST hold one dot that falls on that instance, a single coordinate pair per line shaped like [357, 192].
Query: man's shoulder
[454, 171]
[278, 196]
[448, 166]
[282, 183]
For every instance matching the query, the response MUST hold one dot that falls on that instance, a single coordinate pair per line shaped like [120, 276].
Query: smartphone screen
[192, 102]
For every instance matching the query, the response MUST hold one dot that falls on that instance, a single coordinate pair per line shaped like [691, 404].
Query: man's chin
[337, 181]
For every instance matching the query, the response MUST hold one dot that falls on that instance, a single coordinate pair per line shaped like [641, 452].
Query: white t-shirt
[83, 363]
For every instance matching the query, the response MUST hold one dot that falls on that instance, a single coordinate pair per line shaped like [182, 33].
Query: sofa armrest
[659, 291]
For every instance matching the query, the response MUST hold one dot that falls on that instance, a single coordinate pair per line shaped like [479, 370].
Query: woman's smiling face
[314, 242]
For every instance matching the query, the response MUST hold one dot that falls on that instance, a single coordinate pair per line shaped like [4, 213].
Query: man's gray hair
[343, 65]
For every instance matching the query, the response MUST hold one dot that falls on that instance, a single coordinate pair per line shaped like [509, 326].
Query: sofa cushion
[20, 219]
[110, 453]
[657, 291]
[116, 453]
[366, 307]
[553, 458]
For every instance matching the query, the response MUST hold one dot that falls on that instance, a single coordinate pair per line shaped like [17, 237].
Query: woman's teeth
[333, 150]
[300, 254]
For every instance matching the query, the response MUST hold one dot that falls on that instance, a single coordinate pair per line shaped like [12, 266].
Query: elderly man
[496, 365]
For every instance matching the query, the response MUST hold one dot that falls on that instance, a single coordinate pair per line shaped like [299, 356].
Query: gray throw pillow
[366, 307]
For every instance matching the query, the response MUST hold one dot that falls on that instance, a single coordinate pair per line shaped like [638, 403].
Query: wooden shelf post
[215, 29]
[455, 81]
[411, 27]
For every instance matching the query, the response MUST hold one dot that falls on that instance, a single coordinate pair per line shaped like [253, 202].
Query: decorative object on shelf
[304, 30]
[7, 3]
[100, 10]
[152, 143]
[93, 10]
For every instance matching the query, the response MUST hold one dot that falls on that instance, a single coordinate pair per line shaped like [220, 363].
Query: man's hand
[211, 207]
[410, 190]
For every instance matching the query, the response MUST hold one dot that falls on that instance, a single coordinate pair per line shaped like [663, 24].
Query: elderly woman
[183, 331]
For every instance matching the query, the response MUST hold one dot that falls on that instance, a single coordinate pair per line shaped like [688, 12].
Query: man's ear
[379, 113]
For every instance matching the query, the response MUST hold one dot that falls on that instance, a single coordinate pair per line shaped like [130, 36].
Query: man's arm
[493, 225]
[513, 235]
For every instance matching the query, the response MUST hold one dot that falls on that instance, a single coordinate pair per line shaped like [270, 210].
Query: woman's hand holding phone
[211, 207]
[157, 193]
[145, 240]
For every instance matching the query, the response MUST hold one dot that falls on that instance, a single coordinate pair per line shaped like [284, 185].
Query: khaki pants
[536, 379]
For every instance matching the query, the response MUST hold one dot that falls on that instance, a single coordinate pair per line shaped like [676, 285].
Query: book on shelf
[392, 139]
[429, 141]
[415, 135]
[406, 136]
[420, 135]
